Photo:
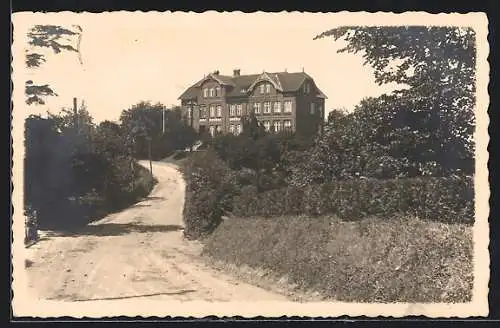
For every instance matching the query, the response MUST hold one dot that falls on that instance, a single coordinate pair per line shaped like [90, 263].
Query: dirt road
[137, 253]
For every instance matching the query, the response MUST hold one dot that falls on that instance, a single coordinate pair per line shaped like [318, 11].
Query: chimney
[216, 72]
[236, 72]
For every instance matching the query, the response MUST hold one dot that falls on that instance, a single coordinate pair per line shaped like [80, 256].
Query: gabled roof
[221, 79]
[273, 78]
[240, 85]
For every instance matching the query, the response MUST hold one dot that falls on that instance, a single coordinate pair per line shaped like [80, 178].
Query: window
[218, 128]
[205, 92]
[238, 129]
[219, 111]
[307, 87]
[267, 125]
[262, 88]
[232, 110]
[203, 112]
[267, 107]
[288, 106]
[212, 92]
[312, 108]
[277, 107]
[277, 126]
[319, 108]
[231, 128]
[212, 111]
[268, 88]
[256, 108]
[217, 91]
[239, 110]
[212, 130]
[287, 125]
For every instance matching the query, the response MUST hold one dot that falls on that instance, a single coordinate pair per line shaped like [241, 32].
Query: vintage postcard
[175, 164]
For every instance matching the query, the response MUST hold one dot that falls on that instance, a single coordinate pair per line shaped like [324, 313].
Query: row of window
[277, 107]
[237, 109]
[212, 92]
[237, 128]
[264, 88]
[216, 91]
[215, 128]
[278, 125]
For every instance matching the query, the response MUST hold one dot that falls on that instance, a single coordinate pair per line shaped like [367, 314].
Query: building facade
[281, 102]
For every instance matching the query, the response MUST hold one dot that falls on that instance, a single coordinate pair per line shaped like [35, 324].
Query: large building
[280, 101]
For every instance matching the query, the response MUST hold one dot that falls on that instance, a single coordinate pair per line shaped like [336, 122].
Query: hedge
[446, 199]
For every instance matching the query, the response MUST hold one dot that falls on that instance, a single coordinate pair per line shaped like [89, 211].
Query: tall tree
[145, 120]
[437, 64]
[55, 38]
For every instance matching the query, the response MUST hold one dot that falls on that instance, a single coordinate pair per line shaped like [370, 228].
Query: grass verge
[403, 259]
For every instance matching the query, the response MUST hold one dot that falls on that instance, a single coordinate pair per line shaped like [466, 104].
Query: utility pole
[149, 153]
[163, 120]
[191, 114]
[75, 113]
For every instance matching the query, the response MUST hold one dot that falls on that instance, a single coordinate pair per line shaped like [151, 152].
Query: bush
[395, 259]
[210, 187]
[31, 234]
[447, 199]
[73, 177]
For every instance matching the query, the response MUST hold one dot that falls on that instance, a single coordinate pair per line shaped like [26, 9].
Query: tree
[252, 128]
[145, 120]
[335, 114]
[52, 37]
[437, 64]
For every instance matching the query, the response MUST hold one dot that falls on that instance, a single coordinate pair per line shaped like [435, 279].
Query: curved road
[137, 253]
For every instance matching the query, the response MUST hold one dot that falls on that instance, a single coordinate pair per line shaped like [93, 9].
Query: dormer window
[212, 92]
[262, 88]
[268, 88]
[217, 91]
[205, 92]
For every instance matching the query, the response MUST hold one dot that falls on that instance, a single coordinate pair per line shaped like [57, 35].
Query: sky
[127, 58]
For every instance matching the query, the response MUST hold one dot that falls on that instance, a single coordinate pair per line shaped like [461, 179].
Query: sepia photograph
[250, 164]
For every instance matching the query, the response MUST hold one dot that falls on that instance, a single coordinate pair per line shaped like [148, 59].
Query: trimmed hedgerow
[446, 199]
[376, 259]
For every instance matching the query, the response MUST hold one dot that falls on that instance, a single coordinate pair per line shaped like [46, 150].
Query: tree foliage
[55, 38]
[262, 159]
[76, 171]
[429, 123]
[143, 123]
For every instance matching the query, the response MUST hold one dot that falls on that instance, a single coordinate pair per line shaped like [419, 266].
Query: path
[136, 253]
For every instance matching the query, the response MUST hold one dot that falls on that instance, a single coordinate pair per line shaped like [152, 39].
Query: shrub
[74, 177]
[210, 188]
[447, 199]
[396, 259]
[31, 234]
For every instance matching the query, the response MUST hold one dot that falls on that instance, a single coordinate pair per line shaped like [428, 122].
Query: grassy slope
[372, 260]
